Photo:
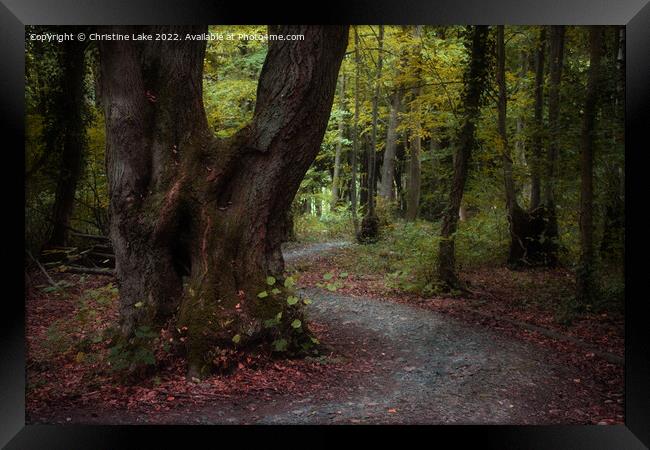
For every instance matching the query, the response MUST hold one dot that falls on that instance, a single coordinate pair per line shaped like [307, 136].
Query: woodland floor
[394, 358]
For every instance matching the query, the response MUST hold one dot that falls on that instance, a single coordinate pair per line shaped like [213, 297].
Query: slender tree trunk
[511, 201]
[414, 179]
[614, 218]
[520, 143]
[400, 184]
[552, 157]
[370, 224]
[184, 203]
[339, 146]
[462, 213]
[415, 175]
[520, 223]
[512, 207]
[586, 290]
[355, 135]
[372, 154]
[475, 80]
[386, 188]
[73, 140]
[536, 160]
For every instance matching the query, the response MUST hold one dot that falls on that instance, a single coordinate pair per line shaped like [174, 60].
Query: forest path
[390, 363]
[295, 251]
[425, 367]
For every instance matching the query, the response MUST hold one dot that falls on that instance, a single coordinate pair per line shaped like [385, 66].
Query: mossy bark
[197, 222]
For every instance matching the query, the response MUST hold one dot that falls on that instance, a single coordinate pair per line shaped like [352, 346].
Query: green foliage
[335, 224]
[483, 239]
[407, 253]
[135, 354]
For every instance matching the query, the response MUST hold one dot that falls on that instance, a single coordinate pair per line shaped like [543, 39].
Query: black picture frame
[634, 14]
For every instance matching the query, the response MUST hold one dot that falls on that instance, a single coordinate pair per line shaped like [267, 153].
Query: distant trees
[486, 131]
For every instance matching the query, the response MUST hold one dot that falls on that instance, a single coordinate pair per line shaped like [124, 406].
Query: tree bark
[370, 224]
[186, 204]
[475, 80]
[355, 135]
[612, 241]
[415, 175]
[521, 225]
[551, 232]
[73, 140]
[339, 147]
[386, 188]
[586, 290]
[536, 160]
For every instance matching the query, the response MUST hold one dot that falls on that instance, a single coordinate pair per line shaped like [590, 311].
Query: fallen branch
[90, 236]
[89, 270]
[102, 255]
[51, 281]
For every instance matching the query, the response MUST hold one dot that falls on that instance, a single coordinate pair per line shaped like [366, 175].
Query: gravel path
[292, 252]
[429, 369]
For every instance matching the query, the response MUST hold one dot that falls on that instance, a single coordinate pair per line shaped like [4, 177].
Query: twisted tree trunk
[186, 204]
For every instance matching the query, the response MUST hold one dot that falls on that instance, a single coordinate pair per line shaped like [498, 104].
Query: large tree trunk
[184, 203]
[586, 284]
[73, 140]
[370, 224]
[339, 147]
[475, 79]
[415, 175]
[386, 188]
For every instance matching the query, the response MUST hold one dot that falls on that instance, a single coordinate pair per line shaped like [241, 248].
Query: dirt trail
[427, 368]
[293, 252]
[418, 367]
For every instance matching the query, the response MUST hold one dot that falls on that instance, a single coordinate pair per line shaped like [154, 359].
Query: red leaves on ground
[58, 382]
